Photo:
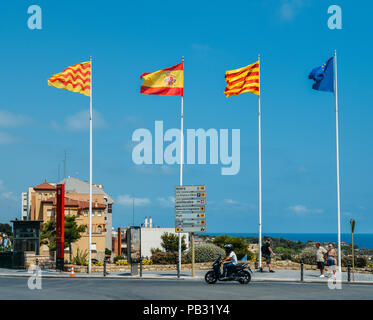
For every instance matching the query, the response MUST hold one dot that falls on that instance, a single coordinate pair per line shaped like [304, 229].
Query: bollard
[349, 271]
[37, 261]
[105, 267]
[256, 265]
[140, 267]
[301, 271]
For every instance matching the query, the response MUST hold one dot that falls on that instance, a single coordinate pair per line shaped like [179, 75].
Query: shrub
[155, 250]
[146, 262]
[286, 256]
[170, 242]
[166, 258]
[117, 258]
[239, 244]
[308, 256]
[99, 264]
[204, 252]
[360, 262]
[81, 258]
[121, 262]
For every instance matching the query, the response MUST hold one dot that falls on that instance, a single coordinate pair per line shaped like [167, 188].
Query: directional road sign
[190, 208]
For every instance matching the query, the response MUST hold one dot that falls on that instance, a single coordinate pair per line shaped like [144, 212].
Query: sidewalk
[278, 275]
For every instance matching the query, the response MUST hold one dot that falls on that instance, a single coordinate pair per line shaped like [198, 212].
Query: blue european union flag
[323, 76]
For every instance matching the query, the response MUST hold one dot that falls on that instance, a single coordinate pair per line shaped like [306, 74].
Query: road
[141, 289]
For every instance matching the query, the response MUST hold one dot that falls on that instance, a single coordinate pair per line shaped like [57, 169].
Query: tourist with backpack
[267, 252]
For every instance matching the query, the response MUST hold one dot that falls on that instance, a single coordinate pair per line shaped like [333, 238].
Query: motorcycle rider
[231, 257]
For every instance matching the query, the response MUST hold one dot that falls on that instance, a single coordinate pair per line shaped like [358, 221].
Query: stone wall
[44, 261]
[276, 265]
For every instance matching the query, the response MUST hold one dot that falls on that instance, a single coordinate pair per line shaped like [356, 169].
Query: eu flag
[323, 76]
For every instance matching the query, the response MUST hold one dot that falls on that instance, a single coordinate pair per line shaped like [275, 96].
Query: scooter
[241, 272]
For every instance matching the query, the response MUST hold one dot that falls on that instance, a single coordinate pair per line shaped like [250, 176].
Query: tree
[170, 242]
[72, 233]
[6, 228]
[239, 245]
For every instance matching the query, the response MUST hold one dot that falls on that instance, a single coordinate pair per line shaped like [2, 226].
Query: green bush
[117, 258]
[285, 253]
[308, 256]
[170, 242]
[80, 258]
[239, 244]
[205, 252]
[166, 258]
[360, 262]
[155, 250]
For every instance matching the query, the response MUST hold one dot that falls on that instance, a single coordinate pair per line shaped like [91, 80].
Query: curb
[147, 277]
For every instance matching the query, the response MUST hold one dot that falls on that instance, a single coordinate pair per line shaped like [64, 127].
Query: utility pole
[64, 165]
[133, 211]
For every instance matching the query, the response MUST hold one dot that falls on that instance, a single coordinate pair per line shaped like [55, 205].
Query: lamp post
[352, 223]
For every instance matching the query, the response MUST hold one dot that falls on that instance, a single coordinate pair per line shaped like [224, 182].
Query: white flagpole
[260, 174]
[181, 164]
[337, 149]
[90, 178]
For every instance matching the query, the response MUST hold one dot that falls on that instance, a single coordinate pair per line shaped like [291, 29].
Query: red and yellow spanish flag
[75, 78]
[166, 82]
[241, 80]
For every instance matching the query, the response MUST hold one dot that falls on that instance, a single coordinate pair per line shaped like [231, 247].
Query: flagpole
[181, 165]
[260, 173]
[90, 178]
[337, 153]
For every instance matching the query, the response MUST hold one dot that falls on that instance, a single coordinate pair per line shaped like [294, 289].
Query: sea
[362, 240]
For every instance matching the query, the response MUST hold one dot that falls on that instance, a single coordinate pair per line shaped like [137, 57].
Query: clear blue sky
[38, 122]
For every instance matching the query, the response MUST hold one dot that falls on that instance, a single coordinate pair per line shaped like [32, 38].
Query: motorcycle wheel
[246, 277]
[210, 277]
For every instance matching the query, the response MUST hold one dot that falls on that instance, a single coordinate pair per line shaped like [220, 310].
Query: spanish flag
[76, 78]
[241, 80]
[166, 82]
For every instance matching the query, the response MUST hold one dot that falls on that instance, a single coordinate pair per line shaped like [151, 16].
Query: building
[79, 190]
[43, 207]
[150, 238]
[24, 206]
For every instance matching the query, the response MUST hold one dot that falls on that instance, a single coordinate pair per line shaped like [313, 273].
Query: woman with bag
[331, 259]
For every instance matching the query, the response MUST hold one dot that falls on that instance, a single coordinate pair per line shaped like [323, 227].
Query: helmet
[228, 247]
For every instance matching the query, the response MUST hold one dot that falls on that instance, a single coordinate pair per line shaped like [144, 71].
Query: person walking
[267, 252]
[331, 259]
[320, 254]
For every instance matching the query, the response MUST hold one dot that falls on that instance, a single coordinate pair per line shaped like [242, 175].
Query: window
[110, 208]
[93, 213]
[99, 213]
[49, 213]
[66, 212]
[86, 213]
[99, 229]
[93, 247]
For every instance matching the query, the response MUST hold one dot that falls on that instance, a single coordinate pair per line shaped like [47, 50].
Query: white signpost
[190, 212]
[190, 208]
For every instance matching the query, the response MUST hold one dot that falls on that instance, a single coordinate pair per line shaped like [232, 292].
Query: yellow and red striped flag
[167, 82]
[75, 78]
[241, 80]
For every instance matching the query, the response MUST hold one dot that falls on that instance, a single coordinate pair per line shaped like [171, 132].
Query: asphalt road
[131, 289]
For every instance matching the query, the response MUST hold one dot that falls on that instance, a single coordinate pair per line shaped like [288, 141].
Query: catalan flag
[241, 80]
[166, 82]
[76, 78]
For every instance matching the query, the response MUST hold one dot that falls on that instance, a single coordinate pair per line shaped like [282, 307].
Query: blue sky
[38, 122]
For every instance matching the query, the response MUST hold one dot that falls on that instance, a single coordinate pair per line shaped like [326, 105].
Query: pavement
[310, 276]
